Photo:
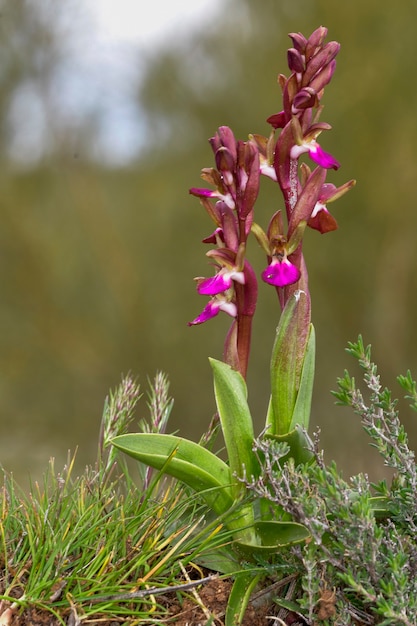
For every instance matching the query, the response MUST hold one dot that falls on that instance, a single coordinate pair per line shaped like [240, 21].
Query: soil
[209, 604]
[214, 598]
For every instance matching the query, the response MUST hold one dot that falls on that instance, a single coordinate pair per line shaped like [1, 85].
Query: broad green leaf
[236, 422]
[224, 560]
[273, 536]
[235, 418]
[299, 445]
[243, 586]
[302, 409]
[185, 460]
[287, 362]
[283, 379]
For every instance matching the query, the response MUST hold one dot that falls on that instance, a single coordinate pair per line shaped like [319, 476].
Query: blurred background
[104, 121]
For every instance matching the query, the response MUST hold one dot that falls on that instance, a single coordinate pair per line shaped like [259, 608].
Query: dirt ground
[209, 603]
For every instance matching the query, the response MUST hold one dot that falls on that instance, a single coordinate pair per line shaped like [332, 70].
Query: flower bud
[295, 61]
[305, 99]
[320, 60]
[322, 78]
[299, 42]
[315, 41]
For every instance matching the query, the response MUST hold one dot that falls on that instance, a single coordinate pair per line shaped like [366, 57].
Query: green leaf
[185, 460]
[273, 537]
[409, 385]
[236, 420]
[223, 560]
[287, 361]
[290, 605]
[283, 389]
[298, 443]
[302, 409]
[243, 586]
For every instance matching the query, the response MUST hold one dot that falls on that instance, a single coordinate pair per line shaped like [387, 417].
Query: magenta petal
[214, 285]
[281, 273]
[219, 283]
[211, 310]
[208, 193]
[202, 193]
[324, 159]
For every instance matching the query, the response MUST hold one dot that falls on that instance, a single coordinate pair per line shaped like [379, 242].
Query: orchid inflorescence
[236, 179]
[258, 531]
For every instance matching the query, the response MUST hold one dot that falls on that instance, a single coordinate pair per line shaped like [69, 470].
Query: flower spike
[234, 182]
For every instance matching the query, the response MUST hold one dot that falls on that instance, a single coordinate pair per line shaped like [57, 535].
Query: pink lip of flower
[316, 153]
[209, 193]
[220, 282]
[212, 309]
[281, 273]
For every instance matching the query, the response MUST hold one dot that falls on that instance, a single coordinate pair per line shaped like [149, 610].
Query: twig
[272, 589]
[153, 591]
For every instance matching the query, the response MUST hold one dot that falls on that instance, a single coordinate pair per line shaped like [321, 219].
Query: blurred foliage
[98, 264]
[37, 42]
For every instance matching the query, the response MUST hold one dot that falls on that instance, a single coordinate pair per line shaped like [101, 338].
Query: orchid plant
[230, 203]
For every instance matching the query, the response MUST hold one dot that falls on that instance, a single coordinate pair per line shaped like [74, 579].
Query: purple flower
[212, 309]
[281, 272]
[208, 193]
[316, 153]
[321, 219]
[220, 282]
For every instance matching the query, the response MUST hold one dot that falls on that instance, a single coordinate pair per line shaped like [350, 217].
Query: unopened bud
[295, 61]
[299, 42]
[320, 60]
[315, 41]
